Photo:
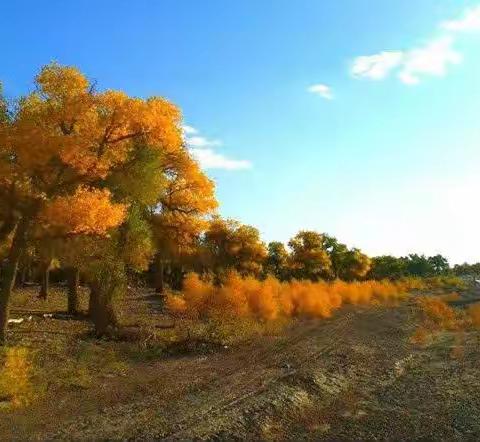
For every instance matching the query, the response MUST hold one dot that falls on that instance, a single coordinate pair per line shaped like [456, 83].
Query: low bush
[445, 283]
[474, 315]
[271, 299]
[437, 313]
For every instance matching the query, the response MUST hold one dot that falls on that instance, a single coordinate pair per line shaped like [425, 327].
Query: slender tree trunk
[45, 281]
[178, 278]
[19, 279]
[7, 227]
[73, 283]
[159, 275]
[93, 300]
[23, 278]
[9, 274]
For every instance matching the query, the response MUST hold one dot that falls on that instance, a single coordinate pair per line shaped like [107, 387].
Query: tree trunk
[9, 274]
[104, 317]
[21, 275]
[92, 300]
[73, 283]
[23, 278]
[159, 275]
[45, 281]
[177, 277]
[7, 227]
[102, 295]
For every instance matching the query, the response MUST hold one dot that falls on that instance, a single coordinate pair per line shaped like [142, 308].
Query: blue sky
[357, 118]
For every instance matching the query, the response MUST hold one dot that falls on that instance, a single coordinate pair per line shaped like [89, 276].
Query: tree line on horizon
[102, 187]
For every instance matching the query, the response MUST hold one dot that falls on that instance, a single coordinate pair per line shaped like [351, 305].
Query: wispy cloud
[377, 66]
[198, 141]
[469, 21]
[411, 65]
[202, 149]
[209, 159]
[189, 130]
[321, 89]
[433, 59]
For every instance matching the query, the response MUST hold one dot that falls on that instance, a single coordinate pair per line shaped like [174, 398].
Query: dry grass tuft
[474, 315]
[15, 383]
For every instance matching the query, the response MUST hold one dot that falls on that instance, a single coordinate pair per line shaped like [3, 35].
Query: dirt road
[354, 376]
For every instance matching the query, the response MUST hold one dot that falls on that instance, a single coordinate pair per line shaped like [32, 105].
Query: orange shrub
[270, 299]
[197, 294]
[230, 299]
[438, 312]
[474, 314]
[176, 305]
[263, 297]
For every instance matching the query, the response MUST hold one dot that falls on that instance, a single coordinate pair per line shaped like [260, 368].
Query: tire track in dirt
[334, 330]
[250, 371]
[226, 393]
[291, 390]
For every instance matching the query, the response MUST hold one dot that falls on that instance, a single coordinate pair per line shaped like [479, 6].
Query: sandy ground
[355, 376]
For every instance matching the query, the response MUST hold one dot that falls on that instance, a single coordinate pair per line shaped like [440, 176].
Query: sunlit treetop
[64, 141]
[66, 120]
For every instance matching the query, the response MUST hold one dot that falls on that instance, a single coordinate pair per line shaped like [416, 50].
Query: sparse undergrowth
[436, 316]
[16, 388]
[50, 356]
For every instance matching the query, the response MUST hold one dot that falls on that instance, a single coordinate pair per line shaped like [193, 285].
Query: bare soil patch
[354, 376]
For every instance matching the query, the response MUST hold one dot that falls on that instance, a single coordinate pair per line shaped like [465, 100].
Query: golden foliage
[90, 132]
[270, 299]
[188, 197]
[232, 245]
[87, 211]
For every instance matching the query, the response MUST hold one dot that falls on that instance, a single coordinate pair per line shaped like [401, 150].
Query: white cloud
[189, 130]
[209, 159]
[433, 59]
[377, 66]
[470, 21]
[198, 141]
[202, 149]
[321, 89]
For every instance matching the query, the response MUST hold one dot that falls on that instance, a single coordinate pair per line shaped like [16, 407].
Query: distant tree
[439, 264]
[309, 259]
[232, 245]
[354, 265]
[347, 264]
[419, 265]
[276, 262]
[467, 269]
[387, 267]
[337, 253]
